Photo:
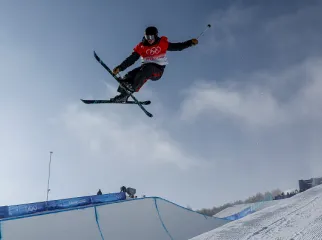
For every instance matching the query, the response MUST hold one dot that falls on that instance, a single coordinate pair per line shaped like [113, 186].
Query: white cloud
[307, 104]
[256, 104]
[124, 134]
[287, 34]
[297, 28]
[225, 23]
[253, 107]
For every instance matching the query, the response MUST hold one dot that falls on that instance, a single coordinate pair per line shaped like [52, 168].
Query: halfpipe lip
[104, 204]
[212, 217]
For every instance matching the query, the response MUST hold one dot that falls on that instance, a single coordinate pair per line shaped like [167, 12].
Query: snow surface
[147, 218]
[232, 210]
[240, 207]
[298, 217]
[295, 218]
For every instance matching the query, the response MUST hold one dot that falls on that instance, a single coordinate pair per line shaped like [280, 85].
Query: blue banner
[3, 212]
[108, 197]
[239, 215]
[23, 209]
[68, 203]
[31, 208]
[253, 208]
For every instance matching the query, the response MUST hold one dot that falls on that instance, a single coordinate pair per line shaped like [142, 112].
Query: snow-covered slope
[232, 210]
[299, 217]
[240, 207]
[148, 218]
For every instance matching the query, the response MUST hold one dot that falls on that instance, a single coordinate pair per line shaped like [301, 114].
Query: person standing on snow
[152, 50]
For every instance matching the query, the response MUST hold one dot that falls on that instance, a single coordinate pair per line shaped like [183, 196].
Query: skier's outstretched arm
[182, 45]
[130, 60]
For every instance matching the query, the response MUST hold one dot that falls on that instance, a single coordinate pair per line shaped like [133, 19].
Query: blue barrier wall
[239, 215]
[257, 205]
[3, 211]
[253, 208]
[31, 208]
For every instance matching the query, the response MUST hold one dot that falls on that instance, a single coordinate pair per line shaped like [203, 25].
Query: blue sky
[237, 114]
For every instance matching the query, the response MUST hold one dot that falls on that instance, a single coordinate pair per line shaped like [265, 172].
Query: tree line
[252, 199]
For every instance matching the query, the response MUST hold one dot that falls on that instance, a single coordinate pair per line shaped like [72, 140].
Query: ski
[134, 98]
[98, 101]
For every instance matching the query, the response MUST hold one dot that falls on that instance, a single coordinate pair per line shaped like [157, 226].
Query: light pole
[50, 153]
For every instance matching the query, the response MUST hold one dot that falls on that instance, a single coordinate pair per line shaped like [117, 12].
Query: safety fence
[38, 207]
[251, 209]
[145, 218]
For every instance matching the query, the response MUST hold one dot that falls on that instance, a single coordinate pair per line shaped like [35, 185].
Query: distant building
[307, 184]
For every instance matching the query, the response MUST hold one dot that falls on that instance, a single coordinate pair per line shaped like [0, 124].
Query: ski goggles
[149, 37]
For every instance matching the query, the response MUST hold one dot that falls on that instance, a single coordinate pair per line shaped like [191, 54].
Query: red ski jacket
[155, 53]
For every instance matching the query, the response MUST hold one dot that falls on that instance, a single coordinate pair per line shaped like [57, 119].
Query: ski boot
[124, 95]
[121, 98]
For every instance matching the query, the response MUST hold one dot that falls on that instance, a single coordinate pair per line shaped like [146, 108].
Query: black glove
[194, 41]
[116, 70]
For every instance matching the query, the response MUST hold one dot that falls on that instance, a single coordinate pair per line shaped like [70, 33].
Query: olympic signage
[32, 208]
[153, 51]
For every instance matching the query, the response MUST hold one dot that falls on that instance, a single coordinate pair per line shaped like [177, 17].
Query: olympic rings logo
[153, 51]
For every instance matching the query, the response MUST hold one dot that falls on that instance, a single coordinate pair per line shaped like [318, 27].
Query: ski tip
[84, 101]
[96, 56]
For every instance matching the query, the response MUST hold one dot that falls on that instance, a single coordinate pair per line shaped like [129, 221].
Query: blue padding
[253, 208]
[98, 223]
[3, 212]
[164, 227]
[239, 215]
[32, 208]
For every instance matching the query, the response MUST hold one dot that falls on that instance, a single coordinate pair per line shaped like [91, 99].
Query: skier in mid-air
[152, 50]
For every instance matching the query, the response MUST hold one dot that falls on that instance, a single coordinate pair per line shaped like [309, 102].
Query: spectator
[123, 189]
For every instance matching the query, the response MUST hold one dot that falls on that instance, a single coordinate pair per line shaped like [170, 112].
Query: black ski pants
[138, 76]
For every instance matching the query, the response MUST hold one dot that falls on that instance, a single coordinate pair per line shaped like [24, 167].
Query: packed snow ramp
[147, 218]
[299, 217]
[241, 210]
